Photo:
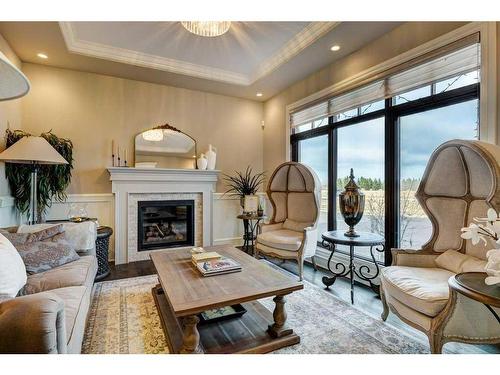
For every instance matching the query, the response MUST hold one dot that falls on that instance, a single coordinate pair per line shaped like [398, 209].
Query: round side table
[337, 237]
[102, 252]
[471, 285]
[251, 227]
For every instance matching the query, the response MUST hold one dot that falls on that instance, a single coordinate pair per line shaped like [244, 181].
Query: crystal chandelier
[207, 28]
[153, 135]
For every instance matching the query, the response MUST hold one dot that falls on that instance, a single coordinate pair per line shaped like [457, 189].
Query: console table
[337, 237]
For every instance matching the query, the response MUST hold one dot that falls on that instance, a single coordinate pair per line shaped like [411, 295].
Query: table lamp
[34, 151]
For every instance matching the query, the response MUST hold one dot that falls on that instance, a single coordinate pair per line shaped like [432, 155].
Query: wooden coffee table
[183, 294]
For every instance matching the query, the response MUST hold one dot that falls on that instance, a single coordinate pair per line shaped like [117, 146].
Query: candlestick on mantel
[125, 158]
[113, 152]
[118, 153]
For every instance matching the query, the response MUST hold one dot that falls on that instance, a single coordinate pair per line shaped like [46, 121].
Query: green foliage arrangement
[52, 179]
[244, 183]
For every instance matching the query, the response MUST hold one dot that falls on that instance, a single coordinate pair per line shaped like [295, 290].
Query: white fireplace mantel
[127, 181]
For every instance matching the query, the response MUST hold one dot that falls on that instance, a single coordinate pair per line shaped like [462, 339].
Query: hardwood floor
[364, 298]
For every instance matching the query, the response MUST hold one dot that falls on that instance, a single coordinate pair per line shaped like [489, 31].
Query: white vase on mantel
[202, 162]
[211, 157]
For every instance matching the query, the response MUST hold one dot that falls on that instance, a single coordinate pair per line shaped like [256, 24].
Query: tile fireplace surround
[131, 185]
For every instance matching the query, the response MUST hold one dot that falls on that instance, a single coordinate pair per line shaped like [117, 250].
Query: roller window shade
[457, 58]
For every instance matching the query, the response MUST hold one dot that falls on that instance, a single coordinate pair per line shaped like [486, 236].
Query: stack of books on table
[212, 263]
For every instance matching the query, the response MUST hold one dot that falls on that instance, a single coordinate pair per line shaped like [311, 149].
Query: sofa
[51, 316]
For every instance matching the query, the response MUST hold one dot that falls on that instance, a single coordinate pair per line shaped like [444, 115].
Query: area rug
[123, 319]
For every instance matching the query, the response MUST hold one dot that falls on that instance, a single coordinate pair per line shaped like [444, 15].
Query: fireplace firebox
[165, 224]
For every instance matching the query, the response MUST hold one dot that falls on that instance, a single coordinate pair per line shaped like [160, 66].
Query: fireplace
[165, 224]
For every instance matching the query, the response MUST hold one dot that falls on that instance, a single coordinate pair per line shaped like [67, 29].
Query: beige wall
[92, 109]
[10, 113]
[399, 40]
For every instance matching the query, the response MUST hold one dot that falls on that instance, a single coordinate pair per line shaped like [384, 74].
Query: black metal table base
[251, 227]
[352, 271]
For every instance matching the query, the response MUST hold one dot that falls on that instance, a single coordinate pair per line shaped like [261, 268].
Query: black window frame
[392, 114]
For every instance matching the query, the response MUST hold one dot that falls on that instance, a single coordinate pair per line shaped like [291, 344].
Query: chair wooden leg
[385, 313]
[435, 343]
[256, 253]
[300, 263]
[313, 260]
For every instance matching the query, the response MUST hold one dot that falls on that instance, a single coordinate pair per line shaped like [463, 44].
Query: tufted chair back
[461, 181]
[294, 191]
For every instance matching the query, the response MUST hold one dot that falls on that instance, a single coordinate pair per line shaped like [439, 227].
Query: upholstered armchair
[461, 181]
[294, 191]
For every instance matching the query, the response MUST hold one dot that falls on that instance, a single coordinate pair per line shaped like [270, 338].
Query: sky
[361, 146]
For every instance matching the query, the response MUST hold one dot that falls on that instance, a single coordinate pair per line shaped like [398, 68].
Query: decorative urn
[352, 205]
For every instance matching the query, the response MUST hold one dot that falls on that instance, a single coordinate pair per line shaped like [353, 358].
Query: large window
[388, 143]
[361, 147]
[420, 134]
[314, 152]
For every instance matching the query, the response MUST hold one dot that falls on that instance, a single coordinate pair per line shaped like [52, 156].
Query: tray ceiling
[252, 56]
[247, 52]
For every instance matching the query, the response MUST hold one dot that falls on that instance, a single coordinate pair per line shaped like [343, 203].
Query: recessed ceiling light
[335, 48]
[259, 94]
[42, 55]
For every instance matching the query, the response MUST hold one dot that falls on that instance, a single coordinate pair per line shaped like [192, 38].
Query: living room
[264, 184]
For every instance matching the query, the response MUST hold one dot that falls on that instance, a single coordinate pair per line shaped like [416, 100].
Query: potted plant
[243, 184]
[52, 179]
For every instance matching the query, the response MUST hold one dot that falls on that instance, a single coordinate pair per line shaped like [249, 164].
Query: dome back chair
[294, 191]
[461, 181]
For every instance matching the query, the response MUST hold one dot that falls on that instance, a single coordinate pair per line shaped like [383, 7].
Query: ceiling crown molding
[307, 36]
[145, 60]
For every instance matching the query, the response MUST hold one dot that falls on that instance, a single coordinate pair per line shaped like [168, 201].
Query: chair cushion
[422, 289]
[284, 239]
[77, 273]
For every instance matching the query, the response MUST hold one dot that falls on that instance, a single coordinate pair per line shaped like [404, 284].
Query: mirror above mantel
[165, 147]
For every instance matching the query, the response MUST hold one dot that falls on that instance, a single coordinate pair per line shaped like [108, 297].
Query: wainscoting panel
[8, 213]
[227, 228]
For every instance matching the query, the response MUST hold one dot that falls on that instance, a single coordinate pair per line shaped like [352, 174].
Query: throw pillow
[42, 256]
[297, 226]
[41, 235]
[81, 235]
[12, 269]
[456, 262]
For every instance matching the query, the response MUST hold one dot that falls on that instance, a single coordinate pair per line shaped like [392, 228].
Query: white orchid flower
[496, 227]
[472, 233]
[492, 215]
